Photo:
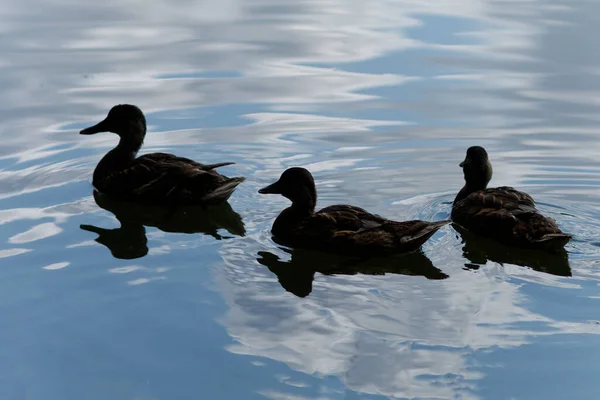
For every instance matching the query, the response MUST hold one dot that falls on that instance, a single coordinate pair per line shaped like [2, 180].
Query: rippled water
[379, 100]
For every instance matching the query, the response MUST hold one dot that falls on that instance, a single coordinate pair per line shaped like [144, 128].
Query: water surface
[379, 100]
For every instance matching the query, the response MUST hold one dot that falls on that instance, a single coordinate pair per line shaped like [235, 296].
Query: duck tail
[424, 232]
[209, 167]
[223, 191]
[553, 241]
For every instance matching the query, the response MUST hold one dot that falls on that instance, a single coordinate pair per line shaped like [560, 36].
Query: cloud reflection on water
[398, 336]
[113, 58]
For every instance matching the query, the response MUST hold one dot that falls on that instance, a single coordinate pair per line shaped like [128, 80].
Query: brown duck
[340, 228]
[157, 178]
[502, 213]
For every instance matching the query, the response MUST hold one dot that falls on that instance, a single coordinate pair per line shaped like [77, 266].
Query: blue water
[379, 100]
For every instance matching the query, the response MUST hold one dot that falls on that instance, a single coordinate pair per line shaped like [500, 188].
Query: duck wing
[390, 236]
[347, 216]
[162, 178]
[170, 158]
[503, 197]
[510, 216]
[353, 229]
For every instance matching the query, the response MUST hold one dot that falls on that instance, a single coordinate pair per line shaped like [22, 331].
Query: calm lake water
[380, 100]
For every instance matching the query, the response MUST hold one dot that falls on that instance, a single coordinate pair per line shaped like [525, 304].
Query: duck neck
[117, 159]
[470, 187]
[304, 201]
[301, 208]
[477, 176]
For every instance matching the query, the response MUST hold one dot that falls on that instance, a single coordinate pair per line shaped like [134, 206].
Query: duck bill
[101, 126]
[273, 188]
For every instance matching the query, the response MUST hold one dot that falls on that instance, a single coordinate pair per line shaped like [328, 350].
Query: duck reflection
[129, 240]
[478, 250]
[297, 274]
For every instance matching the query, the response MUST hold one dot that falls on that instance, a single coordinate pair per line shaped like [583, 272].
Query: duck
[339, 228]
[156, 178]
[504, 214]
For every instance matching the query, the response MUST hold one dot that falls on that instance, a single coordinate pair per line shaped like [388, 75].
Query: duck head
[477, 168]
[125, 120]
[296, 184]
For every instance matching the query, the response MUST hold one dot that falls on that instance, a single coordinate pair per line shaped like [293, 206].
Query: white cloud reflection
[273, 56]
[398, 336]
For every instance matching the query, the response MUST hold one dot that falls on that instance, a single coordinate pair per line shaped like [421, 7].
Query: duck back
[161, 178]
[509, 216]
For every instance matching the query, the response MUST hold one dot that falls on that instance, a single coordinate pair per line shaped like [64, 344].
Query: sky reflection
[380, 100]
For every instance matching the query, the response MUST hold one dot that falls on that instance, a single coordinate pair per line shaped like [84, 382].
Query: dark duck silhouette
[126, 242]
[340, 228]
[296, 275]
[157, 178]
[503, 213]
[129, 241]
